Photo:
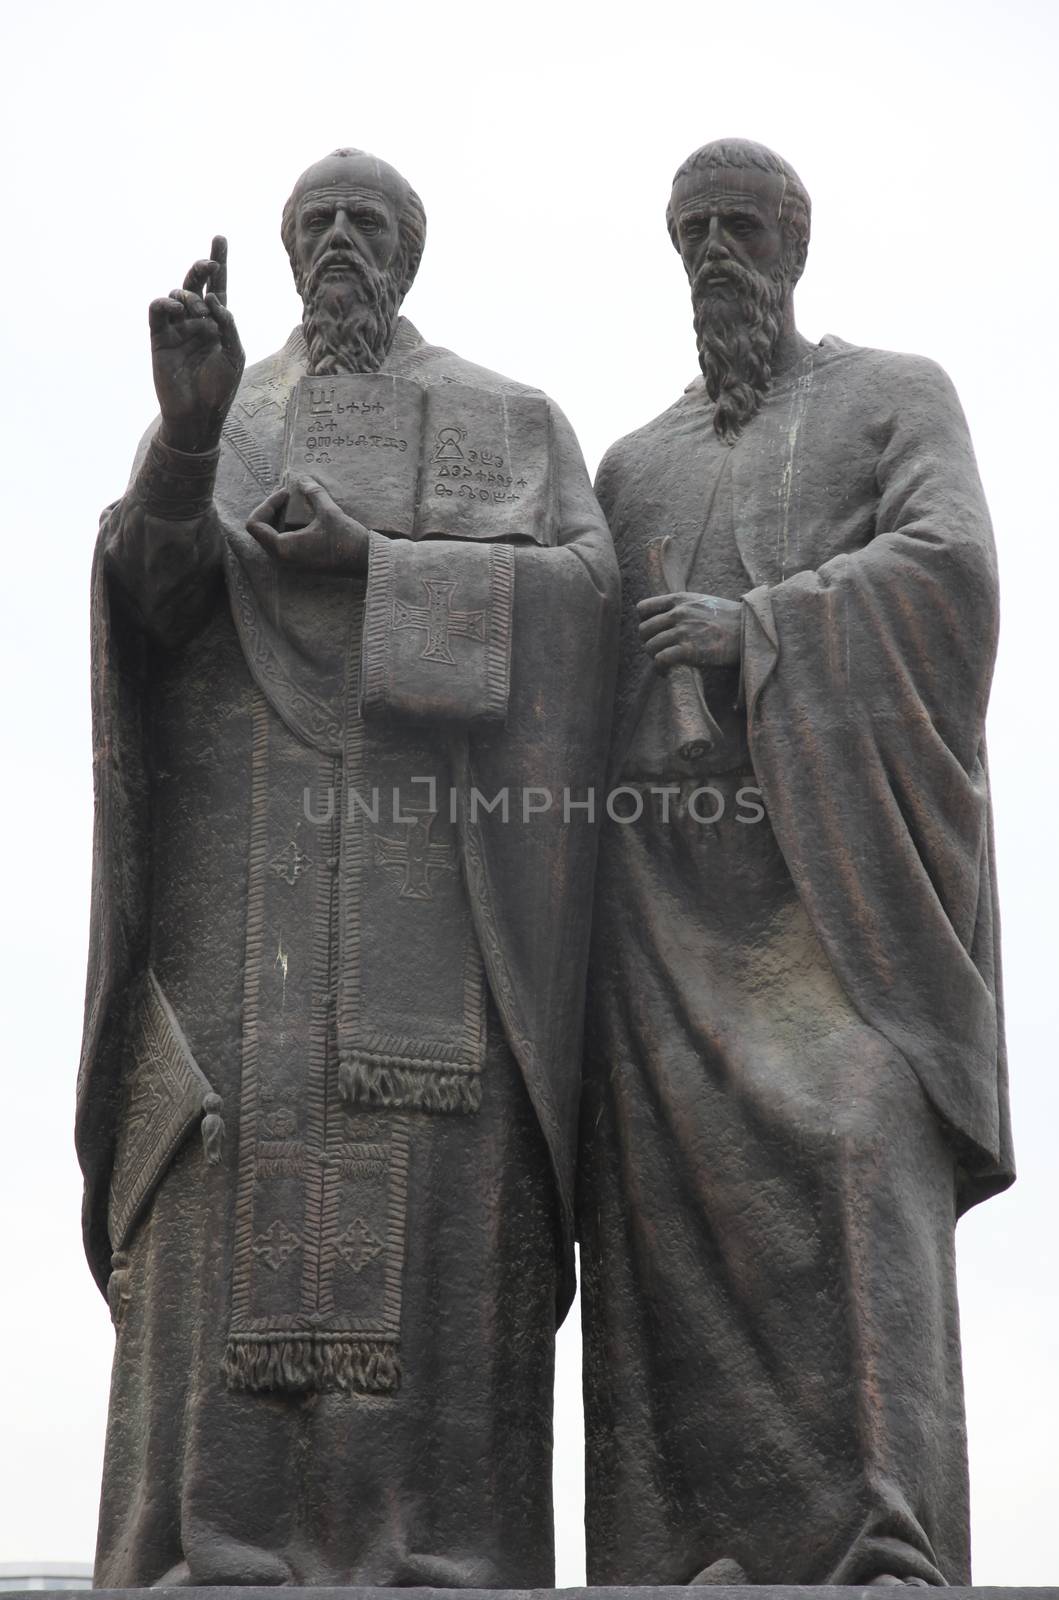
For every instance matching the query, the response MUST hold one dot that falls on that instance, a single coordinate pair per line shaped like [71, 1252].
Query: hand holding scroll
[693, 630]
[680, 635]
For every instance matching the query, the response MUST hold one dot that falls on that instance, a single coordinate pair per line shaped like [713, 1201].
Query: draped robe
[795, 1073]
[335, 1311]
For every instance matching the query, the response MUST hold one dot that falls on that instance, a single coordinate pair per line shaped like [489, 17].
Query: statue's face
[728, 215]
[741, 275]
[349, 210]
[348, 265]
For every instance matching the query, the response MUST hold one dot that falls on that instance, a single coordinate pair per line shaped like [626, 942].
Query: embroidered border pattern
[377, 1067]
[320, 727]
[165, 1090]
[498, 649]
[255, 937]
[320, 1218]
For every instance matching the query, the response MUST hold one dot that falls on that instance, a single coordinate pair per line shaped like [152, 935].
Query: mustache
[351, 265]
[733, 272]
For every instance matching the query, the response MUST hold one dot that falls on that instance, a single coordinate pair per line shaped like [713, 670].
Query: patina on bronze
[317, 938]
[795, 1075]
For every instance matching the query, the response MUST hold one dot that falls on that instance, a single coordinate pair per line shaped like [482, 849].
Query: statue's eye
[368, 221]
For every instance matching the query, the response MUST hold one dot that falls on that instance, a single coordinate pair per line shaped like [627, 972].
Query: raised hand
[694, 630]
[196, 354]
[331, 542]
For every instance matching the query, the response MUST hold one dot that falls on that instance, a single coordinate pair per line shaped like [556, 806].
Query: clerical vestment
[328, 935]
[794, 1068]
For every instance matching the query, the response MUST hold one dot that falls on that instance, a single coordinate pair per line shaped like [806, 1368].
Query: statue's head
[354, 230]
[739, 216]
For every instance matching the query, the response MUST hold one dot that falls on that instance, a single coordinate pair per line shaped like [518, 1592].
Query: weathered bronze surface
[776, 1592]
[354, 635]
[795, 1075]
[335, 1310]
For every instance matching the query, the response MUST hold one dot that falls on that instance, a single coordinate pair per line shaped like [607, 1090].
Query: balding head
[354, 230]
[356, 170]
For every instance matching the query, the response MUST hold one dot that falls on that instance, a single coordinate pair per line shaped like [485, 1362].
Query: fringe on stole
[426, 1087]
[300, 1365]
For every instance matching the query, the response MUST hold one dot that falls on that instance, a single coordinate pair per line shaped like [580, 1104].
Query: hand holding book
[447, 461]
[330, 541]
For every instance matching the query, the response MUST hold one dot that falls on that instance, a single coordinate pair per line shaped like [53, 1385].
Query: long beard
[737, 335]
[348, 319]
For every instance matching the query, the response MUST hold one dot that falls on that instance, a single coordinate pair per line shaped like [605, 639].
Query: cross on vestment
[416, 855]
[266, 395]
[358, 1246]
[439, 620]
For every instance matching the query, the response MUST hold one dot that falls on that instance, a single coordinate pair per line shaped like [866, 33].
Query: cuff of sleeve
[760, 649]
[174, 484]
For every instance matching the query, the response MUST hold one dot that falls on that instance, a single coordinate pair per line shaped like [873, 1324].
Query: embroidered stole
[364, 1001]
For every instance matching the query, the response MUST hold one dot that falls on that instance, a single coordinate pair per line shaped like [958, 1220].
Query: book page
[486, 471]
[358, 434]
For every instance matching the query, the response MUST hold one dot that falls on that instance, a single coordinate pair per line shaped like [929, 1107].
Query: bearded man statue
[335, 1310]
[795, 1076]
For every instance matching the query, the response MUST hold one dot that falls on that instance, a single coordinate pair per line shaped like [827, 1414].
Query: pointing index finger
[219, 255]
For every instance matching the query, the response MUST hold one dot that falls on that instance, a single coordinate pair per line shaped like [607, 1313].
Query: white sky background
[542, 138]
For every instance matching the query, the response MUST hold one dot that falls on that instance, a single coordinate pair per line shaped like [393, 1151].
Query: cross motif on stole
[439, 620]
[415, 856]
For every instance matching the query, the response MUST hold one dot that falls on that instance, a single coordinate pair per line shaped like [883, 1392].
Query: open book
[410, 460]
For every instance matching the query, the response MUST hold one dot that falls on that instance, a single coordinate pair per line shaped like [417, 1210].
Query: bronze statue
[795, 1076]
[353, 603]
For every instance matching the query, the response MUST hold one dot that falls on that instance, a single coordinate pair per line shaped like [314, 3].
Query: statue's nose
[340, 228]
[716, 247]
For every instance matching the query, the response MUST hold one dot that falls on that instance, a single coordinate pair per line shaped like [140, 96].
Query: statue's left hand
[694, 630]
[331, 542]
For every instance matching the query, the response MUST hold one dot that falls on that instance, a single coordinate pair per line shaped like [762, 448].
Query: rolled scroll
[697, 732]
